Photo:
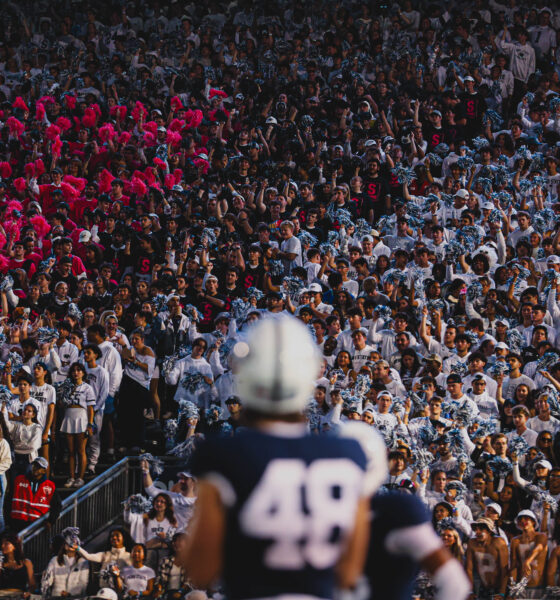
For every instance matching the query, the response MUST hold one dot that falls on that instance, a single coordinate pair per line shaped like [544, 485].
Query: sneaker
[78, 483]
[90, 472]
[70, 483]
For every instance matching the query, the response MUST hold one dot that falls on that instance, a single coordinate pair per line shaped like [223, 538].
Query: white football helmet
[277, 366]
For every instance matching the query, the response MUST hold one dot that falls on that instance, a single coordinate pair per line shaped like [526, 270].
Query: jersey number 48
[306, 511]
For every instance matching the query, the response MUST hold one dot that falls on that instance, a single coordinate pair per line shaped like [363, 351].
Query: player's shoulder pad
[399, 509]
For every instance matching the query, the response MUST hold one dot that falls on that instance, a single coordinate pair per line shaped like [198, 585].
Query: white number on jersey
[301, 508]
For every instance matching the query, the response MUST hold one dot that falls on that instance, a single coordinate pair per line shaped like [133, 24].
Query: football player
[281, 512]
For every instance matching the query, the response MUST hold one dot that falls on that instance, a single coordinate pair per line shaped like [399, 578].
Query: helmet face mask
[277, 367]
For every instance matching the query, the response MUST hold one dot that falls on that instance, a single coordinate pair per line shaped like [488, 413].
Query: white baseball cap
[315, 287]
[462, 193]
[555, 260]
[85, 236]
[495, 507]
[107, 594]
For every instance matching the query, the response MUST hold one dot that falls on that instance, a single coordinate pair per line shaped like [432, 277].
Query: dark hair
[350, 365]
[97, 329]
[95, 348]
[74, 365]
[127, 538]
[16, 542]
[169, 511]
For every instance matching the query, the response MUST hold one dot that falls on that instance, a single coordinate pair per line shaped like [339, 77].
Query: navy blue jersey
[290, 503]
[392, 576]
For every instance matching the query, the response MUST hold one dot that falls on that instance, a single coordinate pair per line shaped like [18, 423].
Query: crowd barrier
[92, 508]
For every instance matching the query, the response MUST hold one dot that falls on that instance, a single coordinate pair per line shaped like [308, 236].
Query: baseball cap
[553, 259]
[271, 121]
[375, 233]
[501, 346]
[462, 193]
[315, 287]
[185, 475]
[370, 143]
[468, 78]
[41, 462]
[487, 206]
[436, 112]
[107, 594]
[85, 236]
[484, 522]
[434, 357]
[544, 463]
[495, 507]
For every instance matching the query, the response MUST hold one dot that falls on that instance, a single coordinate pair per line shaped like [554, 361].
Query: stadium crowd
[387, 172]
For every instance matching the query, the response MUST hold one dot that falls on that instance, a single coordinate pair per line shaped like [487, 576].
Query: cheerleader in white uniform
[77, 423]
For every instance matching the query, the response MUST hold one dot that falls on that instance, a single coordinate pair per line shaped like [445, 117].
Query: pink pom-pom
[202, 164]
[169, 181]
[173, 138]
[40, 225]
[178, 174]
[20, 103]
[78, 183]
[138, 186]
[176, 104]
[11, 206]
[40, 111]
[29, 170]
[151, 126]
[20, 184]
[52, 132]
[4, 263]
[106, 132]
[46, 100]
[5, 170]
[213, 92]
[70, 101]
[176, 125]
[119, 112]
[56, 147]
[159, 163]
[96, 109]
[90, 118]
[139, 111]
[39, 167]
[124, 138]
[193, 119]
[149, 139]
[105, 178]
[64, 123]
[15, 127]
[150, 176]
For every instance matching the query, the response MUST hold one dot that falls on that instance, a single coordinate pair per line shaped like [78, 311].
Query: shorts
[109, 406]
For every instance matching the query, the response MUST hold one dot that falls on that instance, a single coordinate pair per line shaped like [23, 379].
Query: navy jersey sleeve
[399, 510]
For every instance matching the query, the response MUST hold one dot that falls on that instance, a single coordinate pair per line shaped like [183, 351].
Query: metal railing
[92, 507]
